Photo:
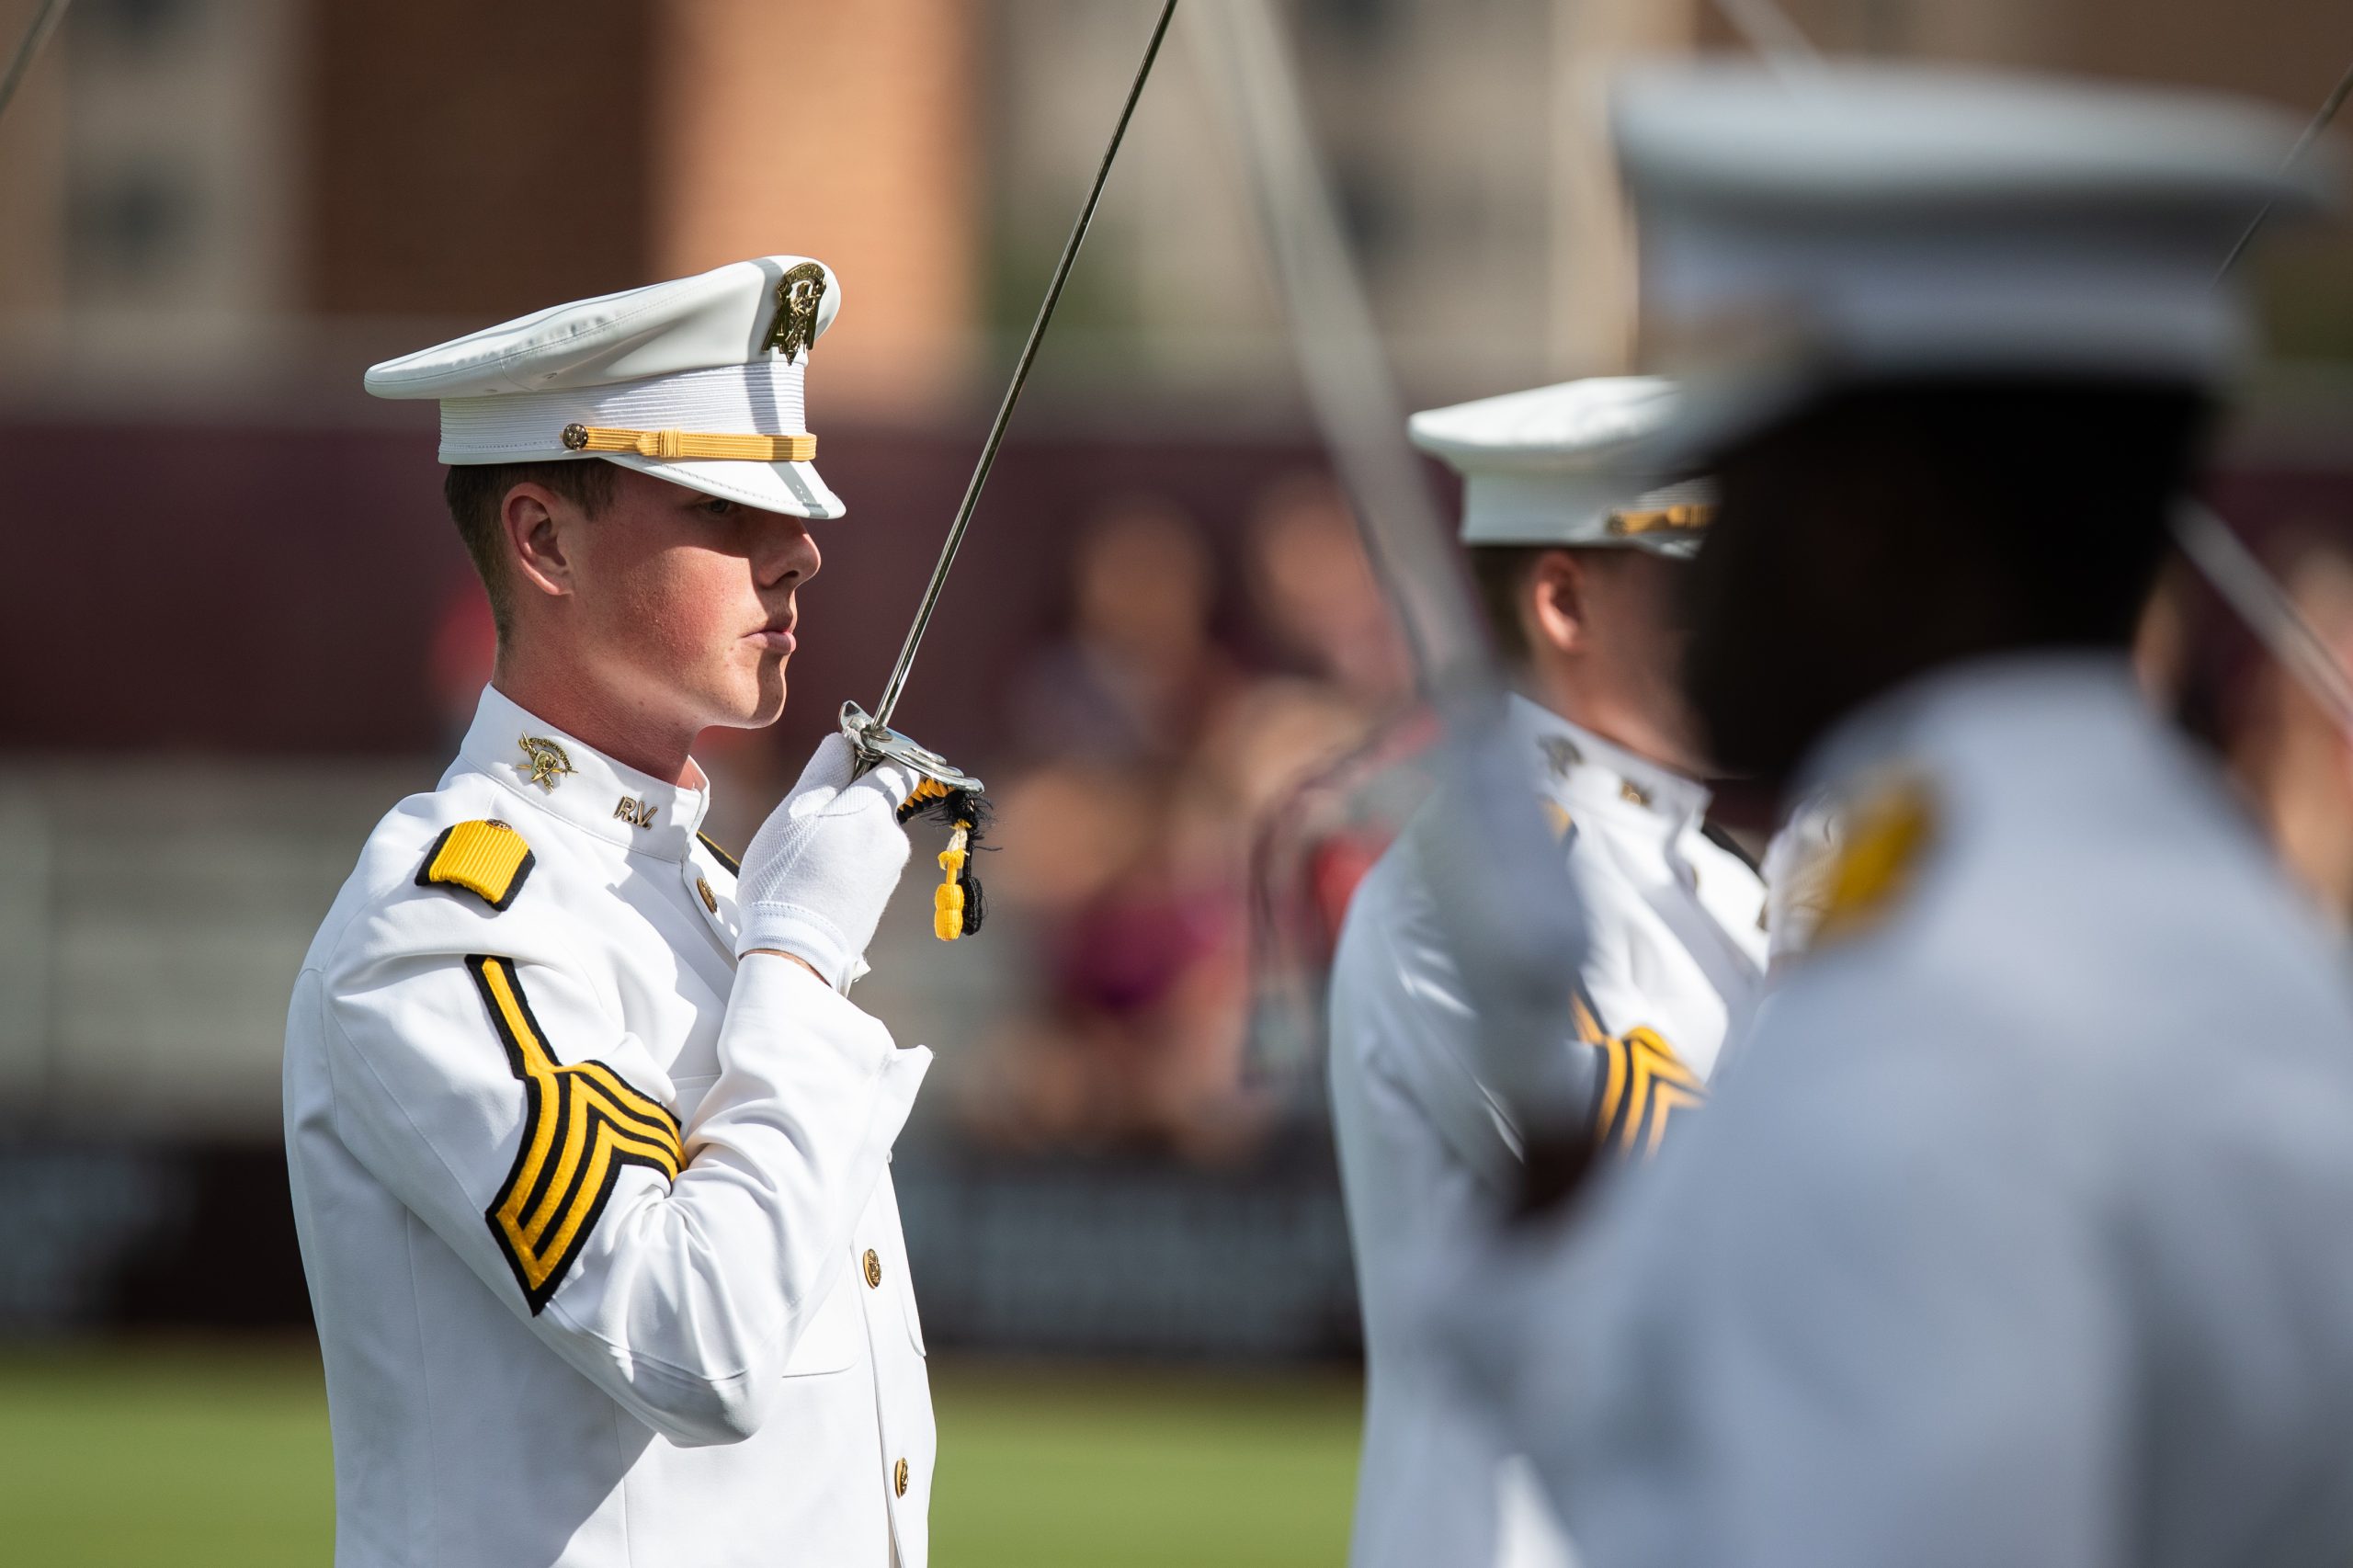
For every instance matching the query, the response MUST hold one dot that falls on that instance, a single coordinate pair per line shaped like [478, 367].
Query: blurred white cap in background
[697, 382]
[1568, 465]
[1860, 222]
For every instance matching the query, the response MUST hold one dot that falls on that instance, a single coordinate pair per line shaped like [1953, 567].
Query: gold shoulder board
[488, 859]
[1890, 834]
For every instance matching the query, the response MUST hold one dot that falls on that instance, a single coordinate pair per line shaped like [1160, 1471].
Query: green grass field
[202, 1457]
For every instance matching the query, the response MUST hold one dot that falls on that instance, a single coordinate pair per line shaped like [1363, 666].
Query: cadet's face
[688, 602]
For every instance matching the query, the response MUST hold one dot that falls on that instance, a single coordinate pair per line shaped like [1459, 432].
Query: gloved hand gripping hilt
[943, 792]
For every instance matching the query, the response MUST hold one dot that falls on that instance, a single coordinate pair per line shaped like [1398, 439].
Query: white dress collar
[1590, 775]
[567, 777]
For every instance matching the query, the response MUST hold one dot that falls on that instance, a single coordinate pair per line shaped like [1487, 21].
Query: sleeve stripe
[1644, 1083]
[582, 1124]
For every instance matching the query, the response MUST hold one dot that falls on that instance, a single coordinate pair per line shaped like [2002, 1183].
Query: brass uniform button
[874, 1282]
[710, 899]
[1634, 793]
[898, 1478]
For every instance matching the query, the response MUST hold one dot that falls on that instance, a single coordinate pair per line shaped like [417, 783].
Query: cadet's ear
[1553, 604]
[532, 517]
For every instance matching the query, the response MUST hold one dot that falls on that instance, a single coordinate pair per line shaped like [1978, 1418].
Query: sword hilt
[875, 742]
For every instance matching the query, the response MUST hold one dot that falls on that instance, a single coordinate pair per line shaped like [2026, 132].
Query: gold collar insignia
[550, 762]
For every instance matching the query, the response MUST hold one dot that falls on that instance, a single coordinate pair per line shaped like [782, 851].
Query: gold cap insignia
[549, 761]
[1683, 517]
[797, 294]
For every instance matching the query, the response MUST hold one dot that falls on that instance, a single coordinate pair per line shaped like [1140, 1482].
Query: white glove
[824, 863]
[1800, 866]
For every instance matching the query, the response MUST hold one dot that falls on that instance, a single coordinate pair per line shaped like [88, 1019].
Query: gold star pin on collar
[550, 762]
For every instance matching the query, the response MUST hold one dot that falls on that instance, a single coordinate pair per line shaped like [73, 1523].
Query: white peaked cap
[1851, 223]
[656, 379]
[1566, 465]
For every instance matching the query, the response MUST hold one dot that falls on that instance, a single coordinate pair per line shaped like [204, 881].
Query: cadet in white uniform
[1576, 560]
[2021, 1239]
[589, 1147]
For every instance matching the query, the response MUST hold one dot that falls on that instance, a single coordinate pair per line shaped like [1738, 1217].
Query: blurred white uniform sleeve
[681, 1299]
[1400, 1010]
[1426, 1160]
[1807, 1341]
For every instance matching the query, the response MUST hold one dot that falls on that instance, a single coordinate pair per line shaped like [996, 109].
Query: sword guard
[878, 743]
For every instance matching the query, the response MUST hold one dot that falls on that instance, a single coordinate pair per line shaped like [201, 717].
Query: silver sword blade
[2260, 601]
[2221, 557]
[877, 725]
[44, 23]
[2328, 107]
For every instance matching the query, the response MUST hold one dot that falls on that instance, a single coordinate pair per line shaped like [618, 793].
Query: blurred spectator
[1128, 846]
[2290, 754]
[1312, 849]
[1318, 595]
[462, 655]
[1137, 673]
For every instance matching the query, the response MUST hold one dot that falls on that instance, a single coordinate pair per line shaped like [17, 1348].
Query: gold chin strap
[1689, 517]
[797, 449]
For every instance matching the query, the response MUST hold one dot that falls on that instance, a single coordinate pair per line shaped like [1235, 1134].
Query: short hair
[476, 493]
[1894, 528]
[2057, 489]
[1500, 574]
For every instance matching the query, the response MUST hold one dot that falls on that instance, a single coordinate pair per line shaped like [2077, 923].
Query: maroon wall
[278, 591]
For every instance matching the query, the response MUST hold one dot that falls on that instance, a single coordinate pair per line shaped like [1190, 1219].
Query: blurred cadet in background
[587, 1143]
[2023, 1240]
[1577, 559]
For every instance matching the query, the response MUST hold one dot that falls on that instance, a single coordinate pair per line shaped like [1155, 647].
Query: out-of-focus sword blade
[45, 22]
[872, 733]
[2328, 107]
[1499, 880]
[2233, 570]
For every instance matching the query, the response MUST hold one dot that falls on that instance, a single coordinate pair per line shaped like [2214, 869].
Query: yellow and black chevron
[581, 1125]
[1644, 1085]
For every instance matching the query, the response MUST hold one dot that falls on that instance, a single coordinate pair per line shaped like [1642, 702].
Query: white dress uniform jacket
[2025, 1239]
[599, 1231]
[1677, 956]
